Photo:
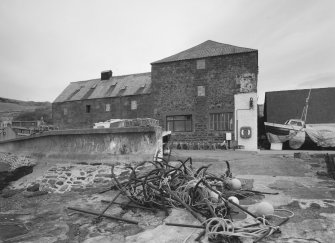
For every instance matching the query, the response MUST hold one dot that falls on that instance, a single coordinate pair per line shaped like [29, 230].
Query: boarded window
[179, 123]
[133, 105]
[65, 111]
[201, 91]
[221, 121]
[88, 108]
[108, 107]
[201, 64]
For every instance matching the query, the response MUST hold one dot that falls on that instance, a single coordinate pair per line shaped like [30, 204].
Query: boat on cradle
[292, 131]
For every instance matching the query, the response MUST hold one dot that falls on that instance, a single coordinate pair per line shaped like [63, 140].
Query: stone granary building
[191, 93]
[86, 102]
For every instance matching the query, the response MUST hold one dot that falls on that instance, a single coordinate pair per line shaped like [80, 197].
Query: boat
[285, 129]
[292, 130]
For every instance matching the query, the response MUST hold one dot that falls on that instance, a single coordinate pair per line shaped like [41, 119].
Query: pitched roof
[133, 84]
[207, 49]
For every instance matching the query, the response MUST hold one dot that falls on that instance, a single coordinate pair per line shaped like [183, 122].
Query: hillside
[24, 110]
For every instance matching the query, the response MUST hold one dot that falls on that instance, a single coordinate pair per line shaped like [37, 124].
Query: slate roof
[133, 84]
[207, 49]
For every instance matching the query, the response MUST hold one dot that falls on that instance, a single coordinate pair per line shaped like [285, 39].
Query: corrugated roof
[207, 49]
[283, 105]
[133, 84]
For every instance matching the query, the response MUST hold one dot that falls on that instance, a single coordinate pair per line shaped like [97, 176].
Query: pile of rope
[204, 194]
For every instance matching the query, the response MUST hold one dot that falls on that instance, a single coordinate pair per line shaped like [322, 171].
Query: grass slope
[12, 108]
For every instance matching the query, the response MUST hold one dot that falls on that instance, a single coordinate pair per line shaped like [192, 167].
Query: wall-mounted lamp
[251, 103]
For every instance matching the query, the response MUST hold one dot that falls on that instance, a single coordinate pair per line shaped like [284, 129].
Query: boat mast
[304, 111]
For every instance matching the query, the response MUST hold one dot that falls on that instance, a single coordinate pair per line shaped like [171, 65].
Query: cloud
[322, 80]
[46, 44]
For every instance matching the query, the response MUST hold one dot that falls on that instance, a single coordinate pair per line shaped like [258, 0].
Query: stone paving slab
[310, 197]
[65, 177]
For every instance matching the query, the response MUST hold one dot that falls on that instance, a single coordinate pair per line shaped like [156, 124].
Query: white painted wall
[7, 133]
[244, 116]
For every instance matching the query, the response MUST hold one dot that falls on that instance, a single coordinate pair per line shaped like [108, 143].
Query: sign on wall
[201, 91]
[245, 132]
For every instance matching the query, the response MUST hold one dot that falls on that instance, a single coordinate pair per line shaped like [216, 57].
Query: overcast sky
[45, 45]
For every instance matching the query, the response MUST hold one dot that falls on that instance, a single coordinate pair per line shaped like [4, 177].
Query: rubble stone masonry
[73, 114]
[175, 91]
[197, 88]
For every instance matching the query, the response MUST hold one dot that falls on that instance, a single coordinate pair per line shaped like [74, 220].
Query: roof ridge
[287, 90]
[208, 48]
[125, 75]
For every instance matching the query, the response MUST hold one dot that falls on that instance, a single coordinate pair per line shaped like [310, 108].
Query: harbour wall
[129, 144]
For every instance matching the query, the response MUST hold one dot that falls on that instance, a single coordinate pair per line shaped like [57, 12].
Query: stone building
[191, 93]
[194, 90]
[86, 102]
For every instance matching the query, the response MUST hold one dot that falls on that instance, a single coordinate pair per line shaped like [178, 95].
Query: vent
[74, 93]
[124, 87]
[110, 89]
[106, 75]
[94, 86]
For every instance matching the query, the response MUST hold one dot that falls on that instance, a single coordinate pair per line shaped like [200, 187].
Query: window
[179, 123]
[201, 91]
[108, 107]
[133, 105]
[201, 64]
[65, 111]
[221, 121]
[88, 108]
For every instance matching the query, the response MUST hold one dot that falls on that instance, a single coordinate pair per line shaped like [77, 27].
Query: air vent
[94, 86]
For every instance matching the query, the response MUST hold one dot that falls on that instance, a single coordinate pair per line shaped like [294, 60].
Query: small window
[221, 121]
[201, 64]
[108, 107]
[133, 105]
[179, 123]
[201, 91]
[65, 111]
[88, 108]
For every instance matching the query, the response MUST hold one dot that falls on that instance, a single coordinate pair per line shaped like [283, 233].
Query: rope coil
[202, 193]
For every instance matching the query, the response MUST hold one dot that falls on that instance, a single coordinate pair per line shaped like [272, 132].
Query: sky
[46, 44]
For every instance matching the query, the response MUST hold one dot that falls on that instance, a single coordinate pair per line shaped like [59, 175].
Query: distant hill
[24, 110]
[17, 103]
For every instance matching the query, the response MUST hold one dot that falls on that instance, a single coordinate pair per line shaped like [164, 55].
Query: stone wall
[175, 91]
[107, 144]
[76, 115]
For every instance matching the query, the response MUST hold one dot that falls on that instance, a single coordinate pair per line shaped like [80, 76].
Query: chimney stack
[106, 75]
